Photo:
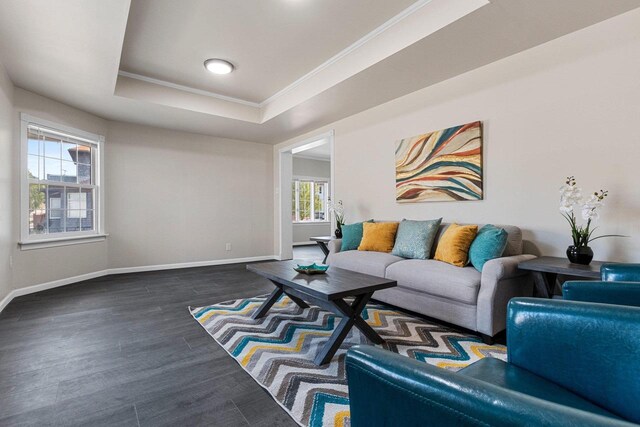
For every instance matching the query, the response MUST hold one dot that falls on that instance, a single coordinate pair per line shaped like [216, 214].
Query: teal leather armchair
[569, 364]
[620, 284]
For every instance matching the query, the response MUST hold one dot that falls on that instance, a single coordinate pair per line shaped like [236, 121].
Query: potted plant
[582, 235]
[338, 211]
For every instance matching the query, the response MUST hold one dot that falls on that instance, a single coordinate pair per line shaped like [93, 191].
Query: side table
[546, 269]
[322, 242]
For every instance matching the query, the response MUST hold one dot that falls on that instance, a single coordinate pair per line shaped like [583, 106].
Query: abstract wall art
[440, 166]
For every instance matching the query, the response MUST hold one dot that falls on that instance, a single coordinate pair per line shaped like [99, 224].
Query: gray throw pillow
[415, 238]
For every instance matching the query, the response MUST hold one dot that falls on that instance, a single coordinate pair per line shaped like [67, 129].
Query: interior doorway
[306, 188]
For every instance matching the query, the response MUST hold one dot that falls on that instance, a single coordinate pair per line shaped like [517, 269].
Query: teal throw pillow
[490, 243]
[351, 236]
[415, 238]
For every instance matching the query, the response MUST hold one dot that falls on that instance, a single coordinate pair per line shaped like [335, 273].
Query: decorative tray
[311, 269]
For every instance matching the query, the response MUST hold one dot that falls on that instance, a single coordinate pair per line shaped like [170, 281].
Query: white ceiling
[74, 55]
[271, 42]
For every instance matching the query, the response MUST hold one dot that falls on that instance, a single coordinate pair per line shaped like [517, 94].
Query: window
[61, 182]
[309, 201]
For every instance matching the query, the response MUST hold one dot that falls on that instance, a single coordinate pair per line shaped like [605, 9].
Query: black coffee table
[327, 291]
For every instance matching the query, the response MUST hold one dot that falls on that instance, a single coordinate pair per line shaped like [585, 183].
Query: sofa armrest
[578, 346]
[620, 293]
[505, 267]
[615, 272]
[334, 245]
[387, 389]
[501, 280]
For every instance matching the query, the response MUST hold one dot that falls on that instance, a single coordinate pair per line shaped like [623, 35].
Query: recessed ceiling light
[218, 66]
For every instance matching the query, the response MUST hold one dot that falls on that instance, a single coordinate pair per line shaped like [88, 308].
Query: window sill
[62, 241]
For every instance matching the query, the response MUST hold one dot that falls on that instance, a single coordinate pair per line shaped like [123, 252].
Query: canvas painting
[440, 166]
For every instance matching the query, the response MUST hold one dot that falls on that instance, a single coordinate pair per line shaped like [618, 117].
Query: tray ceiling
[301, 63]
[272, 43]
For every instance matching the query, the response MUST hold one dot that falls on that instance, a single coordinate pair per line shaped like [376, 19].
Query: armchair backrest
[619, 293]
[591, 349]
[616, 272]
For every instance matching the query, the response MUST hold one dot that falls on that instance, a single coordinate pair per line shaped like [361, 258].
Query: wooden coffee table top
[334, 284]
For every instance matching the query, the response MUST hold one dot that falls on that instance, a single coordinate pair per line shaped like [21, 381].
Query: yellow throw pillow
[453, 247]
[378, 236]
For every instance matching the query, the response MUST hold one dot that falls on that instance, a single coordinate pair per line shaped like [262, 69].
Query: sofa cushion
[514, 239]
[378, 237]
[454, 244]
[489, 244]
[437, 278]
[415, 238]
[351, 236]
[373, 263]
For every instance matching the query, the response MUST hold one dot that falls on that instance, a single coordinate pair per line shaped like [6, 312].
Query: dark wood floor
[124, 350]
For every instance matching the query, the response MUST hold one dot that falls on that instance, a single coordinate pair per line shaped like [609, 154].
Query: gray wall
[45, 265]
[176, 197]
[6, 195]
[171, 197]
[567, 107]
[311, 167]
[302, 232]
[315, 169]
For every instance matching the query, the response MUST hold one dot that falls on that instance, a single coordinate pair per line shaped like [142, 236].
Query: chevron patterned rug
[278, 350]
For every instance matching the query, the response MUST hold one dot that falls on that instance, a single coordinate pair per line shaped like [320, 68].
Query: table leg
[273, 297]
[268, 303]
[359, 322]
[545, 283]
[295, 299]
[325, 251]
[351, 317]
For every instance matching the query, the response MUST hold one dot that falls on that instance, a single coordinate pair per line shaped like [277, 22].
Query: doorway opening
[306, 189]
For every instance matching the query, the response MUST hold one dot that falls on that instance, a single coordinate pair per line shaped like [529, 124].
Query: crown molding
[343, 53]
[188, 89]
[362, 41]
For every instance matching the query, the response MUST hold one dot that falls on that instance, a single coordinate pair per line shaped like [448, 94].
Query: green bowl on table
[311, 268]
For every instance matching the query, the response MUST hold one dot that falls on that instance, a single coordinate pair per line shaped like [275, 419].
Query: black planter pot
[338, 233]
[580, 254]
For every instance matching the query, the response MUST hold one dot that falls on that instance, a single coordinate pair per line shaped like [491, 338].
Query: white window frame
[296, 180]
[35, 241]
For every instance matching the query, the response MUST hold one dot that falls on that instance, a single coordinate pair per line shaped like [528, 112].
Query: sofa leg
[488, 340]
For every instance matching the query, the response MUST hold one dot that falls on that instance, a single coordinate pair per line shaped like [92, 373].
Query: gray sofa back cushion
[514, 238]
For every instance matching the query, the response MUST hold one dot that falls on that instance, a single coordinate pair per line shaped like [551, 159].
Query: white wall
[302, 232]
[176, 197]
[568, 107]
[32, 267]
[171, 197]
[310, 168]
[6, 168]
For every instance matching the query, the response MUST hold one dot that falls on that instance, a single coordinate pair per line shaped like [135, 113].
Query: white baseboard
[6, 300]
[49, 285]
[57, 283]
[122, 270]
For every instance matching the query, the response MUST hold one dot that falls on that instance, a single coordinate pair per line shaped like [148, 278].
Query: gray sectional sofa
[459, 295]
